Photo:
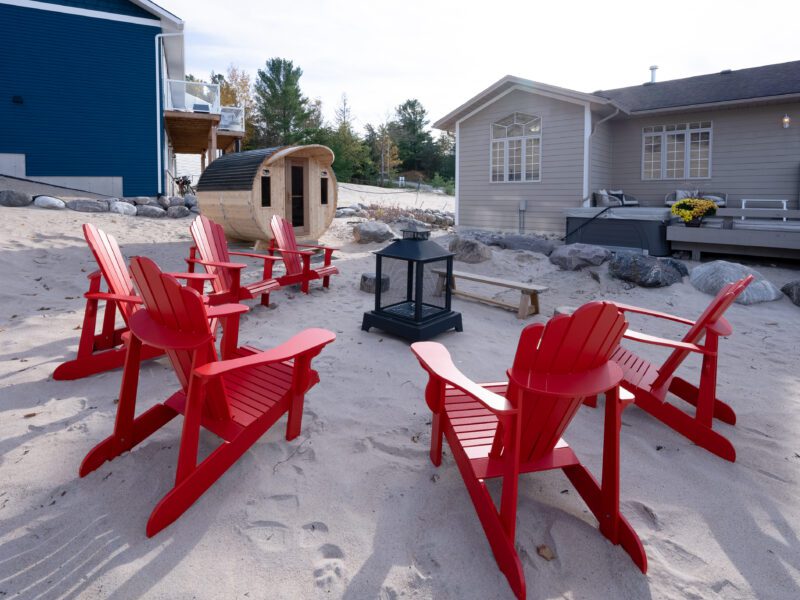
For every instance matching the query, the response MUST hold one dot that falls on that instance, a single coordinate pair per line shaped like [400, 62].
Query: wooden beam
[212, 143]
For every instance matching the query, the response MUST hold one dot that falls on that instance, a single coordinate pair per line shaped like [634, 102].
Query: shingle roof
[234, 171]
[743, 84]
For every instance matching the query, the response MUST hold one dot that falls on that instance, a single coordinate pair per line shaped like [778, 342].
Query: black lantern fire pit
[412, 307]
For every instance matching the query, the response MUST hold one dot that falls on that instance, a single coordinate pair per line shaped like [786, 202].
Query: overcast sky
[444, 52]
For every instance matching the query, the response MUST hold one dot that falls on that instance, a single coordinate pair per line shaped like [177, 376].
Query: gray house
[546, 148]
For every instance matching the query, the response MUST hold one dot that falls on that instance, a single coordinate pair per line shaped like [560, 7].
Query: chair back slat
[711, 315]
[283, 232]
[209, 238]
[174, 307]
[566, 345]
[112, 265]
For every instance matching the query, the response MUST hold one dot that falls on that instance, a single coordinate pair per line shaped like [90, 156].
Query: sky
[442, 52]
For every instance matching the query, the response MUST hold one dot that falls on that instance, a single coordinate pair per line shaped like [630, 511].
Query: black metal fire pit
[412, 307]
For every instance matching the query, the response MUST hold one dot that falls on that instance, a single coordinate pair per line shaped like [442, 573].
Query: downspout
[160, 150]
[594, 128]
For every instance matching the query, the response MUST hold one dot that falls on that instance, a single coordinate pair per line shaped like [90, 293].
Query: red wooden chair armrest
[225, 310]
[113, 297]
[572, 385]
[196, 276]
[253, 255]
[435, 359]
[300, 252]
[652, 313]
[331, 248]
[646, 338]
[721, 328]
[305, 342]
[94, 275]
[222, 265]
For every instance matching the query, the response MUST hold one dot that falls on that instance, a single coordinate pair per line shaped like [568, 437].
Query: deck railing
[202, 97]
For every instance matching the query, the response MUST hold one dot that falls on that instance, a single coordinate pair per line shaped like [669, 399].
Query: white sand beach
[353, 508]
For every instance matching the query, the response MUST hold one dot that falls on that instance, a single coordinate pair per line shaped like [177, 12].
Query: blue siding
[120, 7]
[89, 100]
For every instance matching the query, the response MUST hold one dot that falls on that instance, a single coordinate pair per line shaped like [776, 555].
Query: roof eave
[169, 22]
[724, 103]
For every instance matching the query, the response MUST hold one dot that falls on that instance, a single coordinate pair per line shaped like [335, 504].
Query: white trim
[83, 12]
[587, 134]
[458, 173]
[482, 106]
[163, 14]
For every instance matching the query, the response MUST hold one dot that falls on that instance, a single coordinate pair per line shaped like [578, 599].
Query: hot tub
[632, 227]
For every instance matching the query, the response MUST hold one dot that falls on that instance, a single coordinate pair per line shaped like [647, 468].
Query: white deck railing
[202, 97]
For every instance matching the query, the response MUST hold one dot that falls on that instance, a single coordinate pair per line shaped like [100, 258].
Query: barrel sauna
[243, 190]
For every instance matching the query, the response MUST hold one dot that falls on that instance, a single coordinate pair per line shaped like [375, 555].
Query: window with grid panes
[680, 151]
[516, 149]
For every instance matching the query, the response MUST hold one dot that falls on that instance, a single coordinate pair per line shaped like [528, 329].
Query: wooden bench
[529, 293]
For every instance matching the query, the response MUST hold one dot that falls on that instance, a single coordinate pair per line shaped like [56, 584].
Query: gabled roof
[754, 84]
[509, 83]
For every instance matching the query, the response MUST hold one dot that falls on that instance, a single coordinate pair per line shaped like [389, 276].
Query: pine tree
[283, 113]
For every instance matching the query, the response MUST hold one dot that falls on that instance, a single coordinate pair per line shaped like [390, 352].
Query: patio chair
[650, 383]
[298, 262]
[237, 399]
[720, 198]
[505, 429]
[613, 198]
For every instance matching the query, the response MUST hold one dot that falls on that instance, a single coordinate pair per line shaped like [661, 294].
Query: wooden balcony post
[212, 143]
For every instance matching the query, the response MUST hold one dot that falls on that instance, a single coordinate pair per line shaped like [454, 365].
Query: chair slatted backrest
[209, 238]
[112, 265]
[711, 315]
[566, 345]
[283, 232]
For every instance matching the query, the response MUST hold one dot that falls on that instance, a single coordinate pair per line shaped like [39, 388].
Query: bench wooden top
[523, 287]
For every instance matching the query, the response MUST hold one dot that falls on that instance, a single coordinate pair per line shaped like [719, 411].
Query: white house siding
[600, 157]
[488, 205]
[752, 155]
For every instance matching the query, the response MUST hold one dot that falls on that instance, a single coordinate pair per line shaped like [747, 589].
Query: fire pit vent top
[415, 232]
[415, 246]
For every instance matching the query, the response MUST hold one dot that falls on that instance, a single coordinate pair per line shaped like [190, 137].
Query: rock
[564, 310]
[792, 289]
[127, 200]
[573, 257]
[145, 201]
[153, 212]
[190, 200]
[368, 281]
[372, 231]
[178, 212]
[509, 241]
[176, 201]
[122, 208]
[49, 202]
[195, 209]
[645, 271]
[469, 251]
[362, 213]
[345, 212]
[677, 265]
[87, 205]
[15, 198]
[163, 202]
[710, 277]
[406, 222]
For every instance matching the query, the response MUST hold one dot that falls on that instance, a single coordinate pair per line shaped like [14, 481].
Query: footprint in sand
[312, 533]
[271, 536]
[330, 573]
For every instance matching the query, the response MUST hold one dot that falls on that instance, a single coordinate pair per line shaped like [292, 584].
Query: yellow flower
[693, 208]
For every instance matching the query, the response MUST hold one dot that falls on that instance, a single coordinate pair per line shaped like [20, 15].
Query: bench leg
[524, 305]
[696, 255]
[535, 303]
[440, 285]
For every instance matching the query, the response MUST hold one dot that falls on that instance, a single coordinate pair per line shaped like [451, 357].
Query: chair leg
[436, 439]
[326, 281]
[301, 378]
[689, 393]
[304, 286]
[99, 362]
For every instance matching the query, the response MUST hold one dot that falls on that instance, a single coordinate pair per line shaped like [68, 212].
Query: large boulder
[14, 198]
[189, 200]
[792, 289]
[710, 278]
[372, 231]
[345, 212]
[122, 208]
[645, 271]
[153, 212]
[573, 257]
[511, 241]
[369, 283]
[145, 201]
[87, 205]
[178, 212]
[49, 202]
[469, 251]
[127, 200]
[679, 266]
[176, 201]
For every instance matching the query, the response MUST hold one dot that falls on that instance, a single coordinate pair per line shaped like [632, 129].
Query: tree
[282, 111]
[383, 148]
[414, 143]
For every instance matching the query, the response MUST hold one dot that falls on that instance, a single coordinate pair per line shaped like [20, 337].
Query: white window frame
[661, 132]
[504, 141]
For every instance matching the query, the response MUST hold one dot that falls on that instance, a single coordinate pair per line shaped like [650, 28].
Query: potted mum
[692, 210]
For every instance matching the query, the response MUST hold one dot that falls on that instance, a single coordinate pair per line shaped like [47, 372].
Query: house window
[516, 149]
[681, 151]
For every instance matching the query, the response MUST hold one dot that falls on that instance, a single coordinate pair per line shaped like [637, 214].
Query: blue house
[93, 97]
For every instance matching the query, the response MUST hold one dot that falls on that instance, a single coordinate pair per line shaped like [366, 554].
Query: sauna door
[297, 196]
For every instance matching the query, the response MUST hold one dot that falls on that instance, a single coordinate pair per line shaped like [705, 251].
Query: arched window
[516, 149]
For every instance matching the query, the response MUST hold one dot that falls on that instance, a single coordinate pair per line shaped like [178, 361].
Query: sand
[353, 508]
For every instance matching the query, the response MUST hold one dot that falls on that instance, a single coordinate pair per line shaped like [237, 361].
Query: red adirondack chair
[103, 351]
[504, 429]
[237, 399]
[298, 262]
[650, 383]
[211, 245]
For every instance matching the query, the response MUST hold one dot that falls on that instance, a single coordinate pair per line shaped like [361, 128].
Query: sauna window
[323, 191]
[266, 192]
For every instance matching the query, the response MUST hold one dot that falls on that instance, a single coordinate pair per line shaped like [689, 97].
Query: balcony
[195, 121]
